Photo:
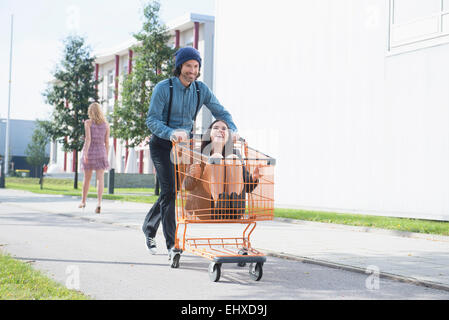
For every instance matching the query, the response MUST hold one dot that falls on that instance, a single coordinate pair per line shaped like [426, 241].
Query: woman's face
[219, 132]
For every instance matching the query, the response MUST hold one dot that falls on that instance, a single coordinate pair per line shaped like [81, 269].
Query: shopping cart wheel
[256, 271]
[242, 252]
[214, 271]
[175, 261]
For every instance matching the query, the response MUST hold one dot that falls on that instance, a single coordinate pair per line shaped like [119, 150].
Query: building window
[111, 84]
[109, 107]
[416, 24]
[125, 69]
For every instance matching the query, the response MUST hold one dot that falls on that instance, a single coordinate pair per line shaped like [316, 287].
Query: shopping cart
[196, 205]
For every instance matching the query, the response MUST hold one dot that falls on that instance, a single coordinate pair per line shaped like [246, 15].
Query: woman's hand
[195, 171]
[257, 172]
[85, 158]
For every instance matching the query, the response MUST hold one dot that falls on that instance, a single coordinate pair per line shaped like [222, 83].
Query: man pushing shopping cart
[174, 105]
[215, 178]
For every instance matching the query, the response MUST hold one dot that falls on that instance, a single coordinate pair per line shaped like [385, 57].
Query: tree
[153, 63]
[71, 92]
[36, 149]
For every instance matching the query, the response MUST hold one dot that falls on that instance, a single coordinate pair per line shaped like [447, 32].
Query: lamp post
[6, 166]
[111, 175]
[2, 175]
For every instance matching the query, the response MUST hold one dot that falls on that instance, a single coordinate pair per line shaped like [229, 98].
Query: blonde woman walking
[95, 152]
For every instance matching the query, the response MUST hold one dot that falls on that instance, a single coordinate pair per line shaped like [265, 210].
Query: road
[107, 261]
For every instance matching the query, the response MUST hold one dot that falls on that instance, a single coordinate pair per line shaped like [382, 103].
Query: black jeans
[164, 208]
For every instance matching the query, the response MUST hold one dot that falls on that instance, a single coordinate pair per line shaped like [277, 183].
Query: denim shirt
[184, 102]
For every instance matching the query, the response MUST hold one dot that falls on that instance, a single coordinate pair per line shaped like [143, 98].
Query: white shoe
[151, 245]
[172, 251]
[173, 257]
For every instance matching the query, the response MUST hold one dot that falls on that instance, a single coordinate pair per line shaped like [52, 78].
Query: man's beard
[189, 78]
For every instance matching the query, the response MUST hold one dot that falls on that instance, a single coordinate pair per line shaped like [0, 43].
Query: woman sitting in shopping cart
[218, 186]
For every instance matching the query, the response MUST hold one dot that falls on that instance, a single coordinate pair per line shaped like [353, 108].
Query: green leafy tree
[153, 62]
[71, 92]
[36, 149]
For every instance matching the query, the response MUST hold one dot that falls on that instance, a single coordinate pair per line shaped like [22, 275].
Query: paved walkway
[410, 257]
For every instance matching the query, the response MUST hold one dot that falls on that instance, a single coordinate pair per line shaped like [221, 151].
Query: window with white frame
[125, 69]
[189, 42]
[111, 84]
[418, 23]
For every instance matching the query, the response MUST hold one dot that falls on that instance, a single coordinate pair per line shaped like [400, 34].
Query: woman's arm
[250, 182]
[87, 139]
[106, 139]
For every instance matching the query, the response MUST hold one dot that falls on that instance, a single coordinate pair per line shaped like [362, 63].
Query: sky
[41, 25]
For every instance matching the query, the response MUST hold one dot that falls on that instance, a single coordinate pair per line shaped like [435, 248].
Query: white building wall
[354, 128]
[206, 46]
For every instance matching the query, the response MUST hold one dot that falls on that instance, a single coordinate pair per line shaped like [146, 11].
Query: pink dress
[97, 159]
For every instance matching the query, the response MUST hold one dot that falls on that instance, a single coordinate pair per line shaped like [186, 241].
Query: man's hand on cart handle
[179, 136]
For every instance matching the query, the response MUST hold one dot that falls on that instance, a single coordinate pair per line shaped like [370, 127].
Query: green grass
[146, 195]
[401, 224]
[19, 281]
[65, 187]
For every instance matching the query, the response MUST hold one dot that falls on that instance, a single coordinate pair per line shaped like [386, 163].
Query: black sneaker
[151, 244]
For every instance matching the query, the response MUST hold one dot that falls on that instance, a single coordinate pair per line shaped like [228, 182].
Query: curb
[384, 275]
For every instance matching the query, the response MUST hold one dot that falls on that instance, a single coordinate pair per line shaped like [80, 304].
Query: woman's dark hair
[205, 141]
[177, 72]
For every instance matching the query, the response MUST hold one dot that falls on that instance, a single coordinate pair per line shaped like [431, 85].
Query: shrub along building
[110, 68]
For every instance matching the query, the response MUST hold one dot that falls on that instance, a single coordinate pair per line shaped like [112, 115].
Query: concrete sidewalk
[415, 258]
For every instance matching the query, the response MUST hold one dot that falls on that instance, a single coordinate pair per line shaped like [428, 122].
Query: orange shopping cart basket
[227, 190]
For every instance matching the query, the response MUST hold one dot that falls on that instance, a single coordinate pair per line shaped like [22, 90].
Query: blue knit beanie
[186, 54]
